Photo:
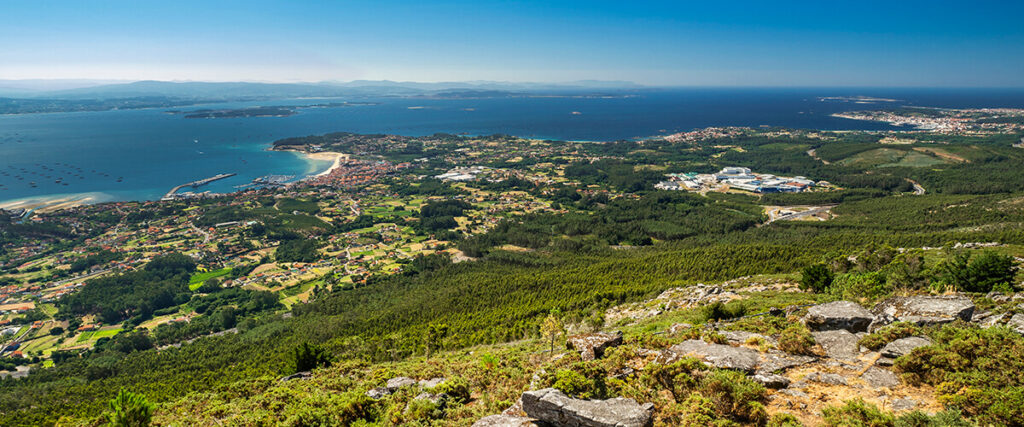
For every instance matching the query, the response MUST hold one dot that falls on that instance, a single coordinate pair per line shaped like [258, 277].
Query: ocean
[141, 154]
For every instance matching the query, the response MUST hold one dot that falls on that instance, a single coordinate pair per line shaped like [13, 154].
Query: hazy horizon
[661, 44]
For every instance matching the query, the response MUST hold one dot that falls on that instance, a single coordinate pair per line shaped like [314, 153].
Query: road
[792, 216]
[918, 189]
[814, 154]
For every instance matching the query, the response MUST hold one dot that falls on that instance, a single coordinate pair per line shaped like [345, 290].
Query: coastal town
[386, 204]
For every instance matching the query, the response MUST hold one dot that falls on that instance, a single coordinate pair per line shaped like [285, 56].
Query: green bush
[721, 311]
[975, 370]
[306, 357]
[816, 278]
[457, 388]
[129, 410]
[949, 418]
[736, 396]
[797, 339]
[857, 413]
[888, 334]
[783, 419]
[583, 380]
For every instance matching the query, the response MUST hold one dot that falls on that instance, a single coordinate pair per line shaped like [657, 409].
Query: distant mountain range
[80, 89]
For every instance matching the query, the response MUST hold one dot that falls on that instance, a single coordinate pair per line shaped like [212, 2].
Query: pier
[195, 184]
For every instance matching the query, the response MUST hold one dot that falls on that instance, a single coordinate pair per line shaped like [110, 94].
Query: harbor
[171, 195]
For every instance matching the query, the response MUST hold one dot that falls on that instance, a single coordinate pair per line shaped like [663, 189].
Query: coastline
[53, 202]
[321, 156]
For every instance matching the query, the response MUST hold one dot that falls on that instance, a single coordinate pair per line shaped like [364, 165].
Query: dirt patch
[942, 154]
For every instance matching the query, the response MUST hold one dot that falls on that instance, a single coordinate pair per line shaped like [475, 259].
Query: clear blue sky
[721, 43]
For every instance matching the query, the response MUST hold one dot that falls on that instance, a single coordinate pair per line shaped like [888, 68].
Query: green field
[197, 279]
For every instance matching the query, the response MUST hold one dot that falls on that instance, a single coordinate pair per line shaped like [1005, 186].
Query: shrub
[720, 311]
[797, 339]
[306, 357]
[678, 378]
[948, 418]
[783, 419]
[888, 334]
[815, 278]
[857, 413]
[583, 380]
[975, 370]
[457, 388]
[734, 395]
[129, 410]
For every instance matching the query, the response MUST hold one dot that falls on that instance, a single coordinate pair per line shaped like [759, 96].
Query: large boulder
[838, 315]
[923, 310]
[719, 355]
[904, 346]
[1017, 323]
[501, 420]
[554, 407]
[592, 346]
[838, 344]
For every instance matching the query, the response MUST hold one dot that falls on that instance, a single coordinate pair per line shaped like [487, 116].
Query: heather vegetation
[425, 278]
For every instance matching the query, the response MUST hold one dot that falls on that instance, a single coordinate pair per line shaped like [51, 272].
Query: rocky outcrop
[501, 420]
[838, 315]
[904, 346]
[839, 344]
[391, 386]
[1016, 323]
[592, 346]
[719, 355]
[554, 407]
[923, 310]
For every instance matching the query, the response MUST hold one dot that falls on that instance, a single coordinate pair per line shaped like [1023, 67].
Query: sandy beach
[327, 155]
[50, 204]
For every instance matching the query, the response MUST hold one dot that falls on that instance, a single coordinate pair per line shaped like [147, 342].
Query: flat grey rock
[793, 392]
[775, 361]
[904, 346]
[878, 377]
[398, 382]
[838, 344]
[719, 355]
[904, 404]
[431, 383]
[834, 379]
[304, 375]
[771, 380]
[505, 421]
[741, 337]
[554, 407]
[924, 309]
[837, 315]
[378, 393]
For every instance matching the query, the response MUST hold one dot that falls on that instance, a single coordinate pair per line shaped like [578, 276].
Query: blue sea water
[152, 151]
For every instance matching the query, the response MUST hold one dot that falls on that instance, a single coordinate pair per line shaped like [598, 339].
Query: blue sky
[723, 43]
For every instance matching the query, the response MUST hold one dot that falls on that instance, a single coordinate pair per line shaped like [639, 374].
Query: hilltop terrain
[725, 276]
